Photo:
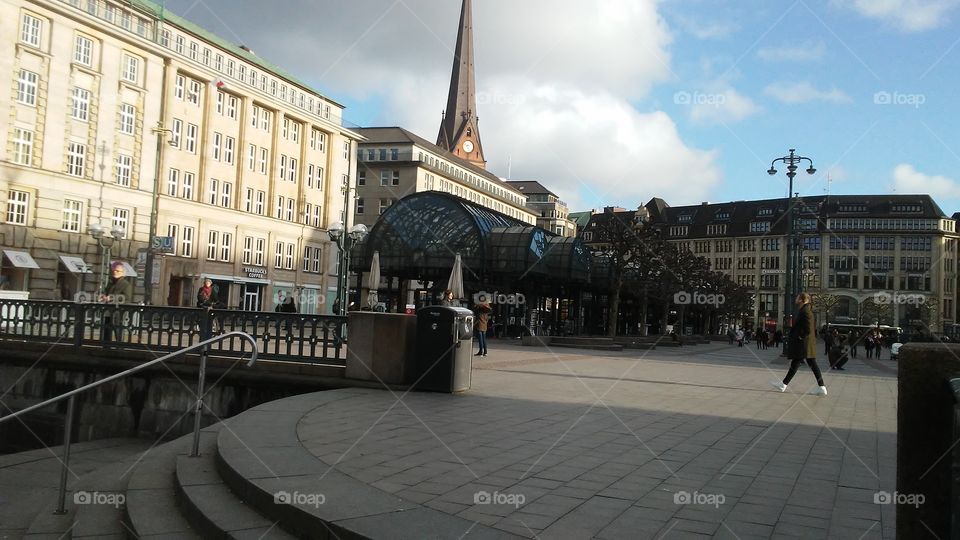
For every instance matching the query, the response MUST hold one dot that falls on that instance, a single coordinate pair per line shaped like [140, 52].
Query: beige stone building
[552, 213]
[116, 110]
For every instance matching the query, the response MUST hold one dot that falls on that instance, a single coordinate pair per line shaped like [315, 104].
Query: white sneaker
[779, 386]
[822, 391]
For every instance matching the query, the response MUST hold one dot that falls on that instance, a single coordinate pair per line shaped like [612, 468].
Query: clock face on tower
[467, 146]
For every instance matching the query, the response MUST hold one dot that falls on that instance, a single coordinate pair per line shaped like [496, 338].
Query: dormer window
[853, 207]
[906, 208]
[765, 212]
[684, 218]
[722, 215]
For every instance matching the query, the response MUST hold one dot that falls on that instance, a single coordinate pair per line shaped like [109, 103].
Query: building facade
[886, 258]
[130, 117]
[552, 213]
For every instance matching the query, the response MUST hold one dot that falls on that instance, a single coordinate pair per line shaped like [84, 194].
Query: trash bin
[444, 348]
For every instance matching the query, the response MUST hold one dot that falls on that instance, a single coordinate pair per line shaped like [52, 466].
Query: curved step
[261, 459]
[210, 506]
[151, 509]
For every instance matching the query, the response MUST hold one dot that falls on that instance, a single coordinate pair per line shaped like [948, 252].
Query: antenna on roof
[509, 166]
[829, 182]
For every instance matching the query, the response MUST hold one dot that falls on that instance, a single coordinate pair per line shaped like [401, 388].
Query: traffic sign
[162, 243]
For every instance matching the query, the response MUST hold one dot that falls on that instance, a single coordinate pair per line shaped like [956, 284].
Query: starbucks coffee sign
[255, 272]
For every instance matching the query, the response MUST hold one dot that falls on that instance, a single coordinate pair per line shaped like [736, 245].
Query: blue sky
[616, 101]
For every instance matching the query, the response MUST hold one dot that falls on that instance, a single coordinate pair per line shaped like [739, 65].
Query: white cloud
[906, 15]
[707, 28]
[812, 49]
[724, 104]
[906, 180]
[803, 92]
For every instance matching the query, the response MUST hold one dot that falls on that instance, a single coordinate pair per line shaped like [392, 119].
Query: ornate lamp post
[106, 244]
[792, 161]
[345, 243]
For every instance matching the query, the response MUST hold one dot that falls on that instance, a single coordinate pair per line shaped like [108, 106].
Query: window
[27, 87]
[232, 107]
[188, 185]
[384, 204]
[193, 96]
[218, 62]
[255, 116]
[80, 104]
[173, 182]
[247, 250]
[23, 147]
[295, 132]
[214, 190]
[395, 179]
[261, 201]
[317, 140]
[283, 166]
[362, 178]
[716, 229]
[165, 38]
[346, 150]
[82, 50]
[385, 177]
[278, 256]
[264, 157]
[266, 120]
[121, 219]
[30, 30]
[219, 102]
[288, 259]
[131, 68]
[17, 204]
[359, 207]
[307, 251]
[279, 212]
[290, 202]
[251, 157]
[178, 87]
[179, 44]
[194, 49]
[192, 138]
[292, 171]
[286, 127]
[172, 230]
[228, 145]
[124, 169]
[216, 146]
[259, 252]
[76, 157]
[186, 242]
[72, 210]
[213, 240]
[310, 170]
[760, 226]
[175, 129]
[383, 154]
[316, 215]
[128, 118]
[226, 195]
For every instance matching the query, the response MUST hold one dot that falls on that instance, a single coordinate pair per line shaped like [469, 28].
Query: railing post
[79, 324]
[67, 435]
[198, 413]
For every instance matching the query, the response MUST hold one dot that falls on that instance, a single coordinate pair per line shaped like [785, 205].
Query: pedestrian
[287, 305]
[827, 339]
[854, 341]
[868, 344]
[778, 338]
[739, 337]
[483, 313]
[802, 346]
[447, 299]
[758, 337]
[838, 354]
[208, 297]
[118, 291]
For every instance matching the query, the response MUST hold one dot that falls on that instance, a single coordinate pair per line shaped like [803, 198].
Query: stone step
[261, 459]
[210, 506]
[152, 510]
[99, 498]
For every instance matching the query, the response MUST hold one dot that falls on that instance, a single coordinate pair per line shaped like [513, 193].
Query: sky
[613, 102]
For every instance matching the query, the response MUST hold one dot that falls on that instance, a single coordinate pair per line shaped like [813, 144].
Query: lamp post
[106, 244]
[148, 276]
[792, 161]
[345, 243]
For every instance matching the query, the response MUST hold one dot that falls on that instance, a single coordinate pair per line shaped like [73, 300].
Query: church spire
[459, 133]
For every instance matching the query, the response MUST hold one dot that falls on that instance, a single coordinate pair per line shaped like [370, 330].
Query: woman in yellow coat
[802, 346]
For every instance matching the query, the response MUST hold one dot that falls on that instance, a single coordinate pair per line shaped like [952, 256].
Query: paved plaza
[673, 443]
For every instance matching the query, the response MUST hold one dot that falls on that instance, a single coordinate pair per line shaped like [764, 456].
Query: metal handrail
[68, 425]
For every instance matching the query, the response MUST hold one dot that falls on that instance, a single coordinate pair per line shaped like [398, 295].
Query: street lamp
[791, 160]
[148, 276]
[105, 243]
[345, 243]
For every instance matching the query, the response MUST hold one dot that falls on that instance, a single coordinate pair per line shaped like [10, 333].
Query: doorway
[251, 297]
[175, 296]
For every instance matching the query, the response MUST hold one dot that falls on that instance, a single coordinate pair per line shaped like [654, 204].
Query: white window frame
[31, 30]
[173, 231]
[121, 218]
[173, 182]
[217, 138]
[264, 159]
[18, 207]
[228, 145]
[226, 194]
[278, 255]
[292, 164]
[214, 191]
[252, 157]
[288, 258]
[27, 86]
[179, 87]
[131, 69]
[188, 182]
[128, 118]
[80, 104]
[72, 216]
[176, 130]
[83, 50]
[247, 250]
[22, 146]
[248, 200]
[186, 242]
[213, 243]
[76, 159]
[232, 107]
[191, 138]
[193, 94]
[260, 202]
[124, 169]
[259, 251]
[290, 203]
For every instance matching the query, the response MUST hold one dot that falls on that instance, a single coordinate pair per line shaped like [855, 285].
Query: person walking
[868, 344]
[739, 337]
[118, 291]
[447, 299]
[802, 346]
[778, 338]
[208, 297]
[483, 313]
[854, 340]
[758, 337]
[827, 340]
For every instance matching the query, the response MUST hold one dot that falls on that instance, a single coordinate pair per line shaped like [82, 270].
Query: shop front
[72, 274]
[15, 274]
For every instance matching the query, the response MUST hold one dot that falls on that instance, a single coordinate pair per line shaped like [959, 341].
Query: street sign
[162, 244]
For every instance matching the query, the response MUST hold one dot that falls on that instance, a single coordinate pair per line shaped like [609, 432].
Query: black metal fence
[955, 466]
[279, 336]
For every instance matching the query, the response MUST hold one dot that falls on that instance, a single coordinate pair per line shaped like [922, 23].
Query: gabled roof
[530, 187]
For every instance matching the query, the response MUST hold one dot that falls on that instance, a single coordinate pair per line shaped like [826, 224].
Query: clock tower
[459, 130]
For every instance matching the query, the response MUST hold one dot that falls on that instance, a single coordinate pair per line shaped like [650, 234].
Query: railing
[279, 336]
[69, 396]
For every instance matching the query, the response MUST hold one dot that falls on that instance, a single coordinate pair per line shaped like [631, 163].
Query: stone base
[381, 347]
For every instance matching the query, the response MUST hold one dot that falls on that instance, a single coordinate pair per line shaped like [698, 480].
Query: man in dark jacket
[802, 346]
[118, 291]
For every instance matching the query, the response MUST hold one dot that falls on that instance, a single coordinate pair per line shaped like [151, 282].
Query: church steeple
[459, 133]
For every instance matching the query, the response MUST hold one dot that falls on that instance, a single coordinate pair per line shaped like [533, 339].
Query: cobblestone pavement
[673, 443]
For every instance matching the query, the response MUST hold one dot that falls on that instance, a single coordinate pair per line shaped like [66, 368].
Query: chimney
[244, 47]
[704, 203]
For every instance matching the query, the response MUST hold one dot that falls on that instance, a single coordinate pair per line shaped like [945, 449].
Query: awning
[20, 259]
[128, 270]
[76, 265]
[236, 279]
